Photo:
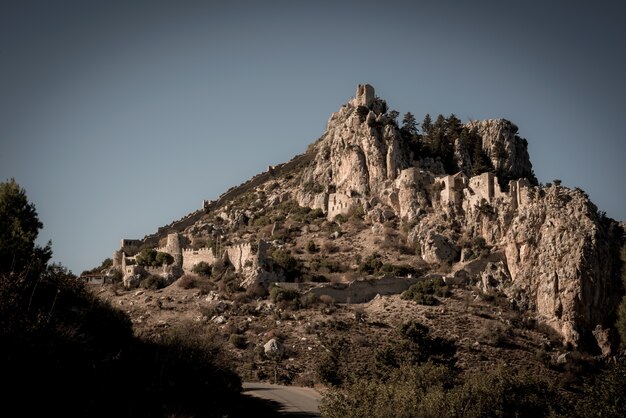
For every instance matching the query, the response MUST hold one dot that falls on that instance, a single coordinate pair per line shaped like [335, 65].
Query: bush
[190, 281]
[238, 341]
[283, 260]
[371, 265]
[163, 258]
[153, 282]
[278, 294]
[400, 270]
[422, 292]
[149, 257]
[202, 268]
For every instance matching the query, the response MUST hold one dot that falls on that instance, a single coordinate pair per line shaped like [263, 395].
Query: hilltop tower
[364, 95]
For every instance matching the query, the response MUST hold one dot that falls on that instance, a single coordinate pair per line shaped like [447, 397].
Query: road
[295, 401]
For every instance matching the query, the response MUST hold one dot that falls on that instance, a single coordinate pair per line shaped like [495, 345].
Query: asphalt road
[294, 401]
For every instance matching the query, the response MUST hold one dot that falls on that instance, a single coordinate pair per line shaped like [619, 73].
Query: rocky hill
[457, 201]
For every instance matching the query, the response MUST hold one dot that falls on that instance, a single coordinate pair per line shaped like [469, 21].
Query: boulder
[437, 248]
[274, 349]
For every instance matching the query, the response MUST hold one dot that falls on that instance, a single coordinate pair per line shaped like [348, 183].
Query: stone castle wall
[241, 256]
[193, 257]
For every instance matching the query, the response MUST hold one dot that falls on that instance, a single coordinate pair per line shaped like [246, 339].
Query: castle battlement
[198, 251]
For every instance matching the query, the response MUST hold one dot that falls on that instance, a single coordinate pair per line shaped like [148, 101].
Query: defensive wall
[363, 290]
[229, 195]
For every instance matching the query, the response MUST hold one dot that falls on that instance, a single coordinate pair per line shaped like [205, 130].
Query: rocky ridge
[548, 249]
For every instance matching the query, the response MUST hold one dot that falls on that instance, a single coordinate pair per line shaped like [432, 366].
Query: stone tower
[364, 95]
[174, 249]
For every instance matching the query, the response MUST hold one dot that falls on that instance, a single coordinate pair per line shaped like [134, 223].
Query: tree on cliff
[409, 124]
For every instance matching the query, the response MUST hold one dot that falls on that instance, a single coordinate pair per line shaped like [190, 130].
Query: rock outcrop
[548, 249]
[360, 153]
[562, 254]
[507, 151]
[554, 245]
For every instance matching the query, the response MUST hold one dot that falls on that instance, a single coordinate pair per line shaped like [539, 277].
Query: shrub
[311, 247]
[291, 266]
[203, 268]
[238, 341]
[401, 270]
[371, 264]
[422, 292]
[278, 294]
[153, 282]
[151, 258]
[117, 276]
[190, 281]
[308, 300]
[163, 258]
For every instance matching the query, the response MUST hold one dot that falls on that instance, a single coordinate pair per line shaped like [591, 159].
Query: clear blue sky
[118, 117]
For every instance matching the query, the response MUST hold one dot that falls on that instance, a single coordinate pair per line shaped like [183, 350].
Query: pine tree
[409, 124]
[427, 125]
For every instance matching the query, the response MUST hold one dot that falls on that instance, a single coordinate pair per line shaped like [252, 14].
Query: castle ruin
[241, 256]
[364, 95]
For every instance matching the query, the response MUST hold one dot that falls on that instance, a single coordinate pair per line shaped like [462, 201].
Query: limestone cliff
[507, 151]
[562, 254]
[486, 219]
[360, 153]
[555, 251]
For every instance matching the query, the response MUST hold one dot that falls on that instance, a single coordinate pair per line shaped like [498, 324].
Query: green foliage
[329, 366]
[238, 341]
[149, 257]
[605, 396]
[153, 282]
[279, 294]
[164, 258]
[422, 292]
[500, 393]
[19, 227]
[393, 116]
[58, 339]
[327, 265]
[399, 270]
[203, 268]
[410, 391]
[290, 266]
[106, 263]
[146, 257]
[413, 345]
[409, 124]
[356, 212]
[371, 264]
[117, 276]
[429, 390]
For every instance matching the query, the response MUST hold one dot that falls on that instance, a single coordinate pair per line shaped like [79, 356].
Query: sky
[118, 117]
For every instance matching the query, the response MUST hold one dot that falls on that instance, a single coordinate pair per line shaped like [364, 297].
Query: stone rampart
[193, 257]
[363, 290]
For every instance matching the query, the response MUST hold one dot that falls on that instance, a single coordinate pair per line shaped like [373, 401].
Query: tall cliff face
[360, 153]
[565, 257]
[555, 251]
[507, 152]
